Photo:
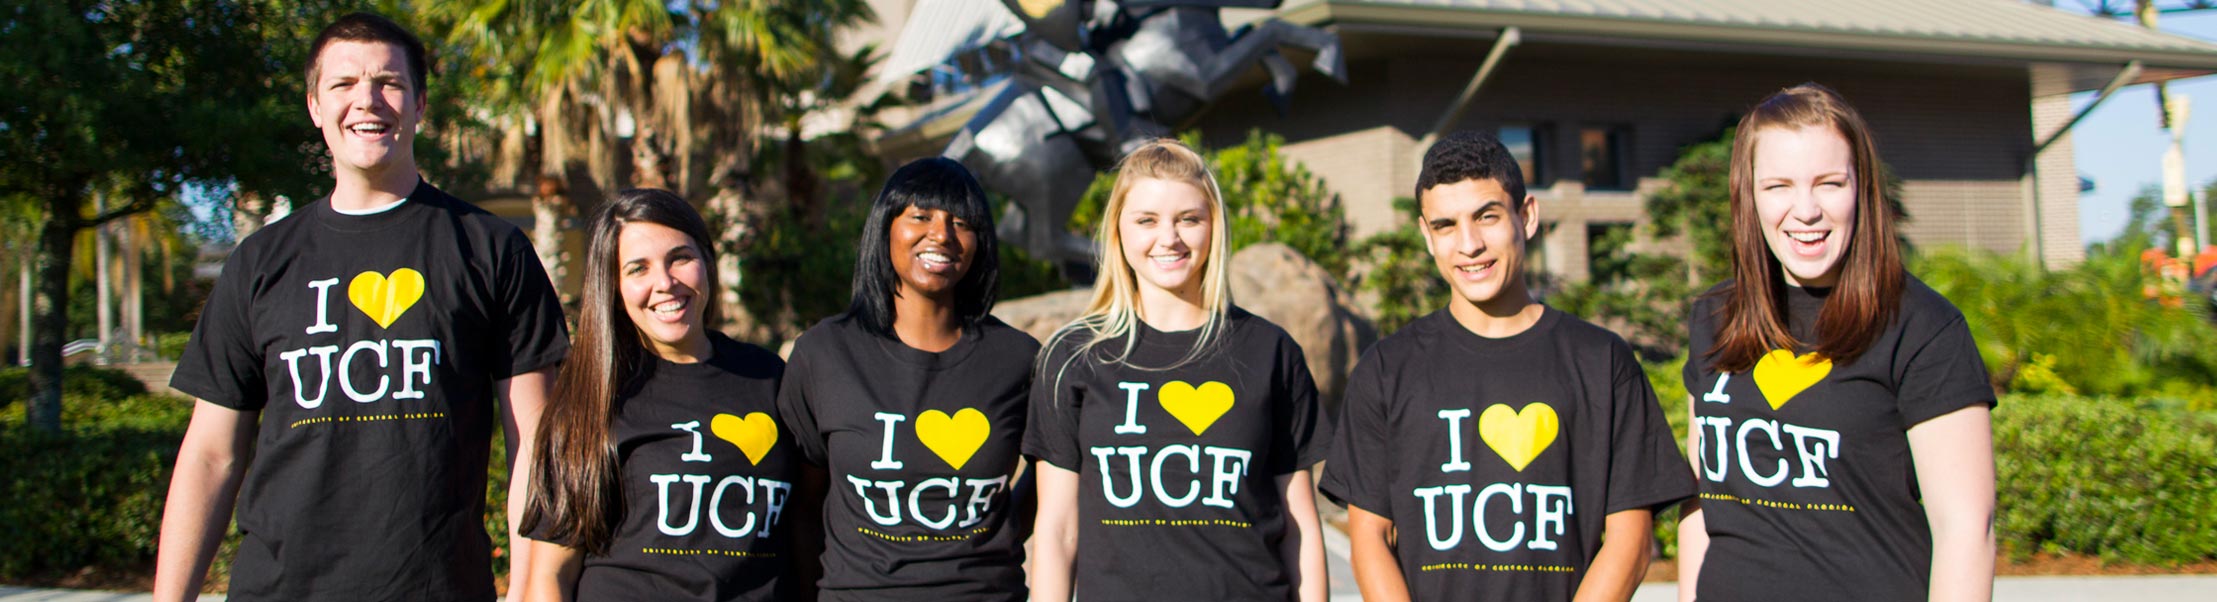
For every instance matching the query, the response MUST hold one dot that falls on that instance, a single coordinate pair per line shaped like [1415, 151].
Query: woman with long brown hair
[662, 468]
[1841, 432]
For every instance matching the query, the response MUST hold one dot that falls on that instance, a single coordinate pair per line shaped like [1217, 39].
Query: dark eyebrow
[1489, 206]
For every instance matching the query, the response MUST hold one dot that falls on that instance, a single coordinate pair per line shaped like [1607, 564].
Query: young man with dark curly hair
[1484, 450]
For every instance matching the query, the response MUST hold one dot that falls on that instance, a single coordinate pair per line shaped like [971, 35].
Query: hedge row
[2116, 479]
[2108, 477]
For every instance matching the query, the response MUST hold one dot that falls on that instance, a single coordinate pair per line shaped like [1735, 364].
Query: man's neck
[1506, 315]
[362, 192]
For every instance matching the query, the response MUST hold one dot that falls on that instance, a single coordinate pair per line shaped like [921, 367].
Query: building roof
[2003, 29]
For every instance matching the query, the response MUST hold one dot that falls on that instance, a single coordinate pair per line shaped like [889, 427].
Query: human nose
[1805, 208]
[1468, 241]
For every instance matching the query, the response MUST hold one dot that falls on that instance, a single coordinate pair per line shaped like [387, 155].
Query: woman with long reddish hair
[1841, 432]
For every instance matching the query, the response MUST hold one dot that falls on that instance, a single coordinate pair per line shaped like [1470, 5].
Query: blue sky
[2120, 145]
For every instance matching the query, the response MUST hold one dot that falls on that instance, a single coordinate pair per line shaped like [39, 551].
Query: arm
[524, 396]
[219, 442]
[551, 574]
[1627, 536]
[1055, 533]
[1377, 572]
[1693, 531]
[1303, 548]
[1954, 457]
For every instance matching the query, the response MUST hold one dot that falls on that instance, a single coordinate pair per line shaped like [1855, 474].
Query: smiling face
[1476, 233]
[366, 106]
[1164, 229]
[932, 250]
[662, 276]
[1805, 184]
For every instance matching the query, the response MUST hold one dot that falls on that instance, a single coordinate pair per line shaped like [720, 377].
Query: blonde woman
[1174, 432]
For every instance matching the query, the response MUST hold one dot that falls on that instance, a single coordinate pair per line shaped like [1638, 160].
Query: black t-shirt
[706, 468]
[1807, 485]
[1177, 492]
[370, 345]
[1499, 459]
[920, 448]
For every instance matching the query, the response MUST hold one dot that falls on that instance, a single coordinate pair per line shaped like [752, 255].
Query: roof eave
[1331, 12]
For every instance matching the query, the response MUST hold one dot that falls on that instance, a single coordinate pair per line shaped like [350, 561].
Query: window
[1601, 157]
[1524, 143]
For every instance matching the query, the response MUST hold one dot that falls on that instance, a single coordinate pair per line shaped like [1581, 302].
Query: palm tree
[690, 84]
[569, 72]
[763, 58]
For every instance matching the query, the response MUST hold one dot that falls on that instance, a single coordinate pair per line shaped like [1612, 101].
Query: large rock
[1041, 315]
[1270, 280]
[1274, 281]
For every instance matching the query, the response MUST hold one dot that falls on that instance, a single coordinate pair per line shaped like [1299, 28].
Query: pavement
[2152, 588]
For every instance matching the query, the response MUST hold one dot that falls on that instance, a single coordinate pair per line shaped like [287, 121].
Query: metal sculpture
[1098, 78]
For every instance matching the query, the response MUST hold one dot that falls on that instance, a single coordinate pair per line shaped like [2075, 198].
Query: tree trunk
[9, 299]
[103, 302]
[549, 209]
[26, 266]
[134, 288]
[56, 251]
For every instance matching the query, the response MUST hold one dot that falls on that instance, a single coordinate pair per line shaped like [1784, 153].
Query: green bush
[87, 499]
[2106, 477]
[1270, 197]
[2090, 329]
[1399, 273]
[89, 382]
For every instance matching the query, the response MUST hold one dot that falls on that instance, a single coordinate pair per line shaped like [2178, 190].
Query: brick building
[1597, 96]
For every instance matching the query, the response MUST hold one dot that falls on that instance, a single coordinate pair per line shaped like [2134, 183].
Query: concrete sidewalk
[2152, 588]
[2158, 588]
[2155, 588]
[18, 594]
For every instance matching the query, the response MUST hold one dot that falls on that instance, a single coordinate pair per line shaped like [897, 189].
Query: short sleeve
[1359, 466]
[793, 404]
[1300, 433]
[1058, 395]
[1942, 375]
[221, 362]
[1700, 335]
[537, 336]
[1646, 469]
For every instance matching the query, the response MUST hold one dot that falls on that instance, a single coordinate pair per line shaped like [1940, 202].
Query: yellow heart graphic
[1519, 436]
[1038, 9]
[955, 438]
[384, 299]
[1196, 407]
[754, 435]
[1780, 375]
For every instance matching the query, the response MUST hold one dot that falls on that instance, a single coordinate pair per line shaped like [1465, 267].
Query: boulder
[1275, 282]
[1040, 315]
[1269, 280]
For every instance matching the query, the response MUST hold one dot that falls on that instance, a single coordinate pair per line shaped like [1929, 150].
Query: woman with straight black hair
[662, 466]
[1841, 434]
[913, 403]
